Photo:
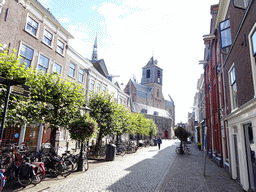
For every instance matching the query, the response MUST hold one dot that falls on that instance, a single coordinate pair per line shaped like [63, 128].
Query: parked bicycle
[185, 149]
[2, 179]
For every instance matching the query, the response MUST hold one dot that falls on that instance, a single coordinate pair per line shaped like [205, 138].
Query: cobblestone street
[147, 170]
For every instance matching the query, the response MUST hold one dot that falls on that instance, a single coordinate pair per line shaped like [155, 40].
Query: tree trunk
[98, 144]
[181, 148]
[53, 136]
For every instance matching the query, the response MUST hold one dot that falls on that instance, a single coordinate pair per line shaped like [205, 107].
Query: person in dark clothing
[159, 142]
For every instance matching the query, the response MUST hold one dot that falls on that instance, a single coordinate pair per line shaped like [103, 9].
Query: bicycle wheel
[24, 181]
[177, 150]
[38, 177]
[56, 169]
[2, 181]
[68, 168]
[188, 151]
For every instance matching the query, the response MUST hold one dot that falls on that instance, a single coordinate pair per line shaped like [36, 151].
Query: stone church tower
[147, 98]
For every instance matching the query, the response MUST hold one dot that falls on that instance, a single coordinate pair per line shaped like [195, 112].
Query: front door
[250, 153]
[166, 134]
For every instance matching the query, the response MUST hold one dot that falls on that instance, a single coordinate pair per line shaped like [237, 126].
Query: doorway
[166, 134]
[236, 158]
[250, 154]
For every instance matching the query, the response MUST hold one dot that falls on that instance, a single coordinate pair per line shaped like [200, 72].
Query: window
[26, 55]
[60, 47]
[233, 87]
[148, 73]
[158, 74]
[57, 68]
[254, 43]
[157, 93]
[47, 38]
[144, 111]
[43, 64]
[156, 113]
[225, 33]
[31, 26]
[104, 88]
[98, 87]
[241, 3]
[72, 69]
[92, 85]
[81, 75]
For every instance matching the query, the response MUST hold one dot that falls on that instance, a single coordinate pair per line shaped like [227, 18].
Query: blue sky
[130, 32]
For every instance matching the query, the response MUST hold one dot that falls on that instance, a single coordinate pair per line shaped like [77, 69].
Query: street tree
[182, 134]
[121, 120]
[102, 110]
[53, 100]
[152, 127]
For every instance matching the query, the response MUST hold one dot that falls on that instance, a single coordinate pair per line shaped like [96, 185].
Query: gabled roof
[138, 107]
[142, 90]
[101, 67]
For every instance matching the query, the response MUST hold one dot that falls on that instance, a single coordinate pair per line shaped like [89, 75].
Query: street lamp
[80, 164]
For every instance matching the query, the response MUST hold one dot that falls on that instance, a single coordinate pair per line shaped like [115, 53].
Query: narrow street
[147, 170]
[141, 171]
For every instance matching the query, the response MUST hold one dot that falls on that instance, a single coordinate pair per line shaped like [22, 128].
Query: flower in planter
[199, 144]
[83, 128]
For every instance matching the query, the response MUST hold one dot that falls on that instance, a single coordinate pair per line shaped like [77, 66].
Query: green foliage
[121, 119]
[139, 124]
[82, 129]
[181, 133]
[51, 97]
[102, 110]
[152, 127]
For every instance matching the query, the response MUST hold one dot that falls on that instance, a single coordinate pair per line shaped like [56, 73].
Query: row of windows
[27, 53]
[148, 73]
[32, 27]
[98, 86]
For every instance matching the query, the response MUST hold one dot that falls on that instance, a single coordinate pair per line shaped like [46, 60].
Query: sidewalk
[186, 174]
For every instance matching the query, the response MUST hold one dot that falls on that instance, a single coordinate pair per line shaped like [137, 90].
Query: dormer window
[144, 111]
[156, 113]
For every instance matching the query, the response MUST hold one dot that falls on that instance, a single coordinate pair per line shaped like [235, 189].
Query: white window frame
[241, 3]
[104, 88]
[38, 26]
[232, 83]
[44, 36]
[98, 87]
[224, 28]
[23, 44]
[81, 75]
[252, 55]
[39, 64]
[73, 69]
[92, 83]
[58, 65]
[58, 47]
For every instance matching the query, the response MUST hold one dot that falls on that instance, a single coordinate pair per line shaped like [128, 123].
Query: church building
[147, 98]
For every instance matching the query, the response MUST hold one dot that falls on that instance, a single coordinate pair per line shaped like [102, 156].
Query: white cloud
[131, 29]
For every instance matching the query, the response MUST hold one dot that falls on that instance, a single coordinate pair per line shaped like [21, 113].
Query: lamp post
[80, 166]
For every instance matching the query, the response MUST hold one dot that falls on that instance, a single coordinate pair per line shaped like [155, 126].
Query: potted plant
[199, 145]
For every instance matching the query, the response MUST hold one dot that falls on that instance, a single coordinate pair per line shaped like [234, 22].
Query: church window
[158, 73]
[157, 93]
[148, 73]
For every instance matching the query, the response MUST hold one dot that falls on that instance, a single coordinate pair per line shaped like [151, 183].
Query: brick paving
[147, 170]
[186, 174]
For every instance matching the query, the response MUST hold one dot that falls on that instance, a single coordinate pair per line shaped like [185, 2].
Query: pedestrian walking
[159, 142]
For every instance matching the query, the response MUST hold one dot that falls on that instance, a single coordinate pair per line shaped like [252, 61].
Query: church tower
[152, 74]
[95, 51]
